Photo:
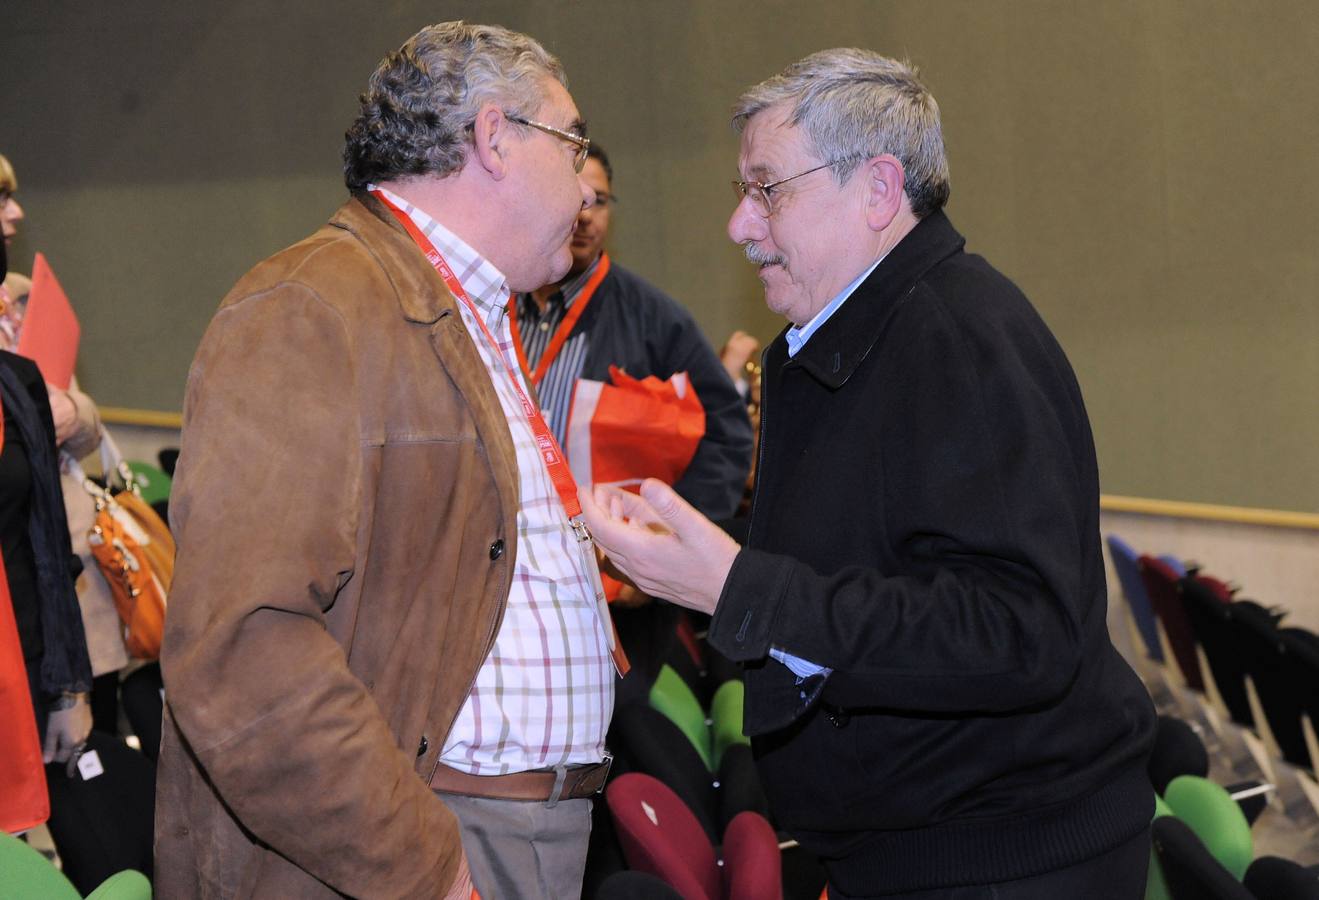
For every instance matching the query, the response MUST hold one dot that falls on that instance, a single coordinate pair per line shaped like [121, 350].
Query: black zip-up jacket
[926, 523]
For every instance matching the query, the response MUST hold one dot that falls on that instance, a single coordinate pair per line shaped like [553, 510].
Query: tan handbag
[134, 550]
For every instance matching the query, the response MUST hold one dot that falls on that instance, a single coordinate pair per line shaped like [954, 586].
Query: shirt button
[497, 549]
[423, 746]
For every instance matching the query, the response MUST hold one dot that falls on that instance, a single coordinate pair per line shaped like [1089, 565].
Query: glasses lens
[759, 199]
[579, 161]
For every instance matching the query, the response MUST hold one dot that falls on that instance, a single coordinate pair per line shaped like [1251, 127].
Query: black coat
[926, 523]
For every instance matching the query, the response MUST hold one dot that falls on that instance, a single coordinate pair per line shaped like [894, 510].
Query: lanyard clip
[580, 530]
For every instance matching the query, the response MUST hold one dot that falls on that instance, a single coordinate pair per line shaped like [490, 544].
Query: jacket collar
[834, 352]
[420, 291]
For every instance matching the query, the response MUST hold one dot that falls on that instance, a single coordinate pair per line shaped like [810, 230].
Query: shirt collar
[797, 336]
[483, 282]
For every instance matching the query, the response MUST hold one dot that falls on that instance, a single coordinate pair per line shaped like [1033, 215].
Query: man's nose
[746, 224]
[588, 194]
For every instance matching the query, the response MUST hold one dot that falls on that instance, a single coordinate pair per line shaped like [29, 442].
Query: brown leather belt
[572, 782]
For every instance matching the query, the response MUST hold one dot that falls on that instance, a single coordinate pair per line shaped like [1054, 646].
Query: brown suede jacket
[345, 511]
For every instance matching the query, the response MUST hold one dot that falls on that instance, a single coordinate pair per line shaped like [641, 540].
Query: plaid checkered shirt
[544, 695]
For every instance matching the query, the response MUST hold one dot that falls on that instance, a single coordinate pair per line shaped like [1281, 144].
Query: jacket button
[497, 549]
[423, 746]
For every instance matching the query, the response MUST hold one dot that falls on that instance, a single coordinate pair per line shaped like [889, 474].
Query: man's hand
[68, 723]
[64, 412]
[664, 546]
[462, 885]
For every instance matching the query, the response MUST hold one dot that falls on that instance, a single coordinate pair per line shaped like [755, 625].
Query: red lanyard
[565, 327]
[549, 449]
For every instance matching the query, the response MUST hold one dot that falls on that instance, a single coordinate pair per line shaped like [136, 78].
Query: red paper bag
[625, 432]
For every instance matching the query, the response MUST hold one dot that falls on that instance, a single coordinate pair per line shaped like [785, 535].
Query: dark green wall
[1145, 169]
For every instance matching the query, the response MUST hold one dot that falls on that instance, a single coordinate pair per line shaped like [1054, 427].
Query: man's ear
[885, 180]
[491, 134]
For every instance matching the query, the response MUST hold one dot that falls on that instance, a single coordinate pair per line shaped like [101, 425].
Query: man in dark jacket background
[601, 315]
[932, 695]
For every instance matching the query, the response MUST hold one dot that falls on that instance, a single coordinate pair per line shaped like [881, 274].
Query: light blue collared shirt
[797, 337]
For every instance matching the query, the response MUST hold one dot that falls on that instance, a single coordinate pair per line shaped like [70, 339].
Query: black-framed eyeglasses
[583, 144]
[761, 194]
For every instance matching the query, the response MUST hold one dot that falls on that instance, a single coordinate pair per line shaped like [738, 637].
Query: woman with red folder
[44, 669]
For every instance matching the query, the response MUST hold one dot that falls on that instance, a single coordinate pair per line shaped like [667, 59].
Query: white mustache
[761, 258]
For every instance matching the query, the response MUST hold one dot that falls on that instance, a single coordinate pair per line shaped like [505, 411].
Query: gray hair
[422, 99]
[854, 104]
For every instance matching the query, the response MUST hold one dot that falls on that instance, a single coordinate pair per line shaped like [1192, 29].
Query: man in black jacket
[933, 699]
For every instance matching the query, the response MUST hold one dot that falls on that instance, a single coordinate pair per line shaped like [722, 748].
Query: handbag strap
[74, 468]
[112, 463]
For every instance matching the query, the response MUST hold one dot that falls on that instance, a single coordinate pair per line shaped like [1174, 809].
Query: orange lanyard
[550, 451]
[565, 327]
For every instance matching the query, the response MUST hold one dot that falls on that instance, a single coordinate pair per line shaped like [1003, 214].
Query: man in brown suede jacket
[350, 509]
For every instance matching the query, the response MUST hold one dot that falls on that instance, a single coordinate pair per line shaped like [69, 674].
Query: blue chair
[1126, 562]
[1174, 563]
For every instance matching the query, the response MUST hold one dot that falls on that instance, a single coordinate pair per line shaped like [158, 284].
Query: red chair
[1162, 585]
[661, 836]
[1216, 586]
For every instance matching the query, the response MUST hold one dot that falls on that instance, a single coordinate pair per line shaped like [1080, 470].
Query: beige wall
[1143, 168]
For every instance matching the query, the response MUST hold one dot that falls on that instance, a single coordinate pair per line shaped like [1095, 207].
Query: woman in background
[38, 562]
[77, 433]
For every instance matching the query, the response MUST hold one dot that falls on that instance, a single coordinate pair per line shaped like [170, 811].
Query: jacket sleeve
[266, 513]
[986, 496]
[716, 477]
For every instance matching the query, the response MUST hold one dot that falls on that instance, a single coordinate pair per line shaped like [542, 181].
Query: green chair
[25, 873]
[1155, 888]
[726, 713]
[1216, 819]
[151, 481]
[671, 696]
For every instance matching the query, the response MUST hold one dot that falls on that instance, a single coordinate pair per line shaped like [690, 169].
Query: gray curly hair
[422, 99]
[855, 104]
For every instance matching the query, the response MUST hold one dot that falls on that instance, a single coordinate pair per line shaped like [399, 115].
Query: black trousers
[1118, 874]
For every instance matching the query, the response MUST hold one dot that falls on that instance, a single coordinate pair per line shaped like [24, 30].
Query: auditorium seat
[1126, 563]
[662, 837]
[1162, 585]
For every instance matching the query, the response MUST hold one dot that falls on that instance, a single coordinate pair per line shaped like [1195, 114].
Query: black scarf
[64, 662]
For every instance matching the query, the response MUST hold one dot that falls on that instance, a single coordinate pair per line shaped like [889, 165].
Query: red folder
[50, 329]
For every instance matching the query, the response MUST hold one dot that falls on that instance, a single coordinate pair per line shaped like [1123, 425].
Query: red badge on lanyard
[550, 453]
